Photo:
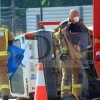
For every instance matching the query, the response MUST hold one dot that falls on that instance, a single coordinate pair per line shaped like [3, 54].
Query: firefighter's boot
[67, 98]
[5, 97]
[82, 98]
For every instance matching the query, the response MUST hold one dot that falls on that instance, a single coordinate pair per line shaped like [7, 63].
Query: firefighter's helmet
[74, 15]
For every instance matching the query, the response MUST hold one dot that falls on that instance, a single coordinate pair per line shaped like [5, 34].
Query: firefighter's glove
[63, 31]
[10, 42]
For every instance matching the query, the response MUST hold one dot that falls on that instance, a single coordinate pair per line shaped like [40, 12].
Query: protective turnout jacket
[84, 35]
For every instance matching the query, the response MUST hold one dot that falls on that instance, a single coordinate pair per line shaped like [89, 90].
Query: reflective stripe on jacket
[4, 52]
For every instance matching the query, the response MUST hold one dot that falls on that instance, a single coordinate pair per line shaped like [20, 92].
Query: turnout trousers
[4, 81]
[72, 76]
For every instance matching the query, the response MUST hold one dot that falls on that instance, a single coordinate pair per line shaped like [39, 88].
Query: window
[17, 43]
[17, 84]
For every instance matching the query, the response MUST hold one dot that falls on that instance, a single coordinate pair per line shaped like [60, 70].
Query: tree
[57, 3]
[46, 3]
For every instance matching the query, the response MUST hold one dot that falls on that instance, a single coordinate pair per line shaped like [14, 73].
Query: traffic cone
[40, 91]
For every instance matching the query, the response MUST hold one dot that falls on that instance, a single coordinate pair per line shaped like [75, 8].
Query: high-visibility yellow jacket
[5, 36]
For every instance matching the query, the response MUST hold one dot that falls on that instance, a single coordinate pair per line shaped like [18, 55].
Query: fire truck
[41, 49]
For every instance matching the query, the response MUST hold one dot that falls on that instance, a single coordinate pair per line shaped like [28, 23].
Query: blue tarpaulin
[14, 59]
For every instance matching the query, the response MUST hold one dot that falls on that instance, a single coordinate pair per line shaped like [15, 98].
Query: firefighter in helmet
[6, 38]
[73, 37]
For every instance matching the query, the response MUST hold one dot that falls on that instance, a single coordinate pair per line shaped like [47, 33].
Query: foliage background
[46, 3]
[22, 5]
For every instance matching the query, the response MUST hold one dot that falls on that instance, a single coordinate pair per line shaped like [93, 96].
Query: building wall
[33, 15]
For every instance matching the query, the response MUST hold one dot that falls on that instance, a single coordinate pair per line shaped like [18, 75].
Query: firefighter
[6, 38]
[72, 34]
